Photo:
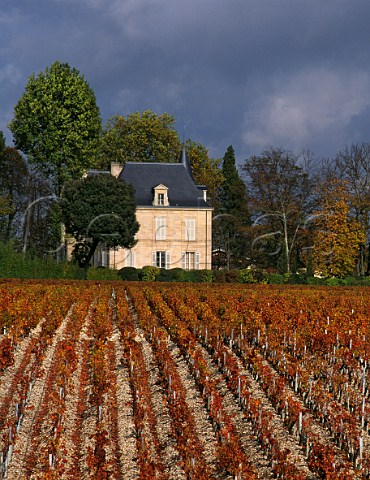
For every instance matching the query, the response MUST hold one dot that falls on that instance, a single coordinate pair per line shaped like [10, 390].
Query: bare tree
[353, 166]
[279, 187]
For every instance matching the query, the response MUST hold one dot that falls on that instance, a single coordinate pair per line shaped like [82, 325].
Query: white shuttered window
[160, 228]
[130, 258]
[190, 261]
[161, 259]
[190, 229]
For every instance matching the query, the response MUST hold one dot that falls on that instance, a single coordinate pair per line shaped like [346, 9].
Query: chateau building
[174, 216]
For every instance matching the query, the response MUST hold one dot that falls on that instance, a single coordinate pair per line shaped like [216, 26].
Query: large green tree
[14, 183]
[57, 124]
[149, 137]
[99, 208]
[233, 191]
[5, 202]
[206, 170]
[139, 137]
[232, 215]
[27, 201]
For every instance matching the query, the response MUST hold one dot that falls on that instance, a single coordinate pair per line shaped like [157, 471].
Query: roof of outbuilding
[93, 172]
[182, 190]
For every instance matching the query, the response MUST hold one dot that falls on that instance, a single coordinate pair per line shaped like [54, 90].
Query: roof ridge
[153, 163]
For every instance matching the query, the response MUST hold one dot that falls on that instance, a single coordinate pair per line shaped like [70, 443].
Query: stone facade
[174, 216]
[169, 238]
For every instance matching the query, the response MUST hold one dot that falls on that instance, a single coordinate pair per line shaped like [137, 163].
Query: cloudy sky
[252, 73]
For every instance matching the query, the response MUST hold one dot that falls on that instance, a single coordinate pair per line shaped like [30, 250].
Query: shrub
[171, 275]
[194, 276]
[315, 281]
[334, 282]
[128, 273]
[247, 275]
[176, 273]
[365, 281]
[149, 273]
[206, 276]
[180, 275]
[164, 276]
[101, 273]
[296, 279]
[219, 276]
[232, 276]
[18, 265]
[276, 279]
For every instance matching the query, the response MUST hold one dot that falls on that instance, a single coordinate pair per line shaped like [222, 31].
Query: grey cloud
[241, 72]
[308, 106]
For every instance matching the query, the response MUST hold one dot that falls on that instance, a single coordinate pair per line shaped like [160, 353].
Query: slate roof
[177, 177]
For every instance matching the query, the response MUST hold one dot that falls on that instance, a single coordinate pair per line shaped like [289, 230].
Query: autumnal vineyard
[174, 381]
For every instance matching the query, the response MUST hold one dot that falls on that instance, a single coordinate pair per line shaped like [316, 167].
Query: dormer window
[160, 196]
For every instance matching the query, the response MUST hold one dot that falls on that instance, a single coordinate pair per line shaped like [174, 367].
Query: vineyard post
[364, 380]
[363, 413]
[9, 456]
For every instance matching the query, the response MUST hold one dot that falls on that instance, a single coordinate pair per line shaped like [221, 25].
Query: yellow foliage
[338, 236]
[6, 206]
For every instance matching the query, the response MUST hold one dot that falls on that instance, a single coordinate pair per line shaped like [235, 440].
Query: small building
[174, 216]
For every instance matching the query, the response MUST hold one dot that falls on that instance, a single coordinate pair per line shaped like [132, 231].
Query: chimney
[204, 190]
[115, 169]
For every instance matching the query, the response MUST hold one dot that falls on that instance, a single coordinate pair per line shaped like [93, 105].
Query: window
[161, 259]
[190, 261]
[101, 256]
[130, 259]
[190, 229]
[104, 258]
[160, 228]
[160, 196]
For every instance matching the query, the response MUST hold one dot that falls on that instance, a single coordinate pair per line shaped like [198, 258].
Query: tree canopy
[99, 208]
[14, 186]
[280, 197]
[149, 137]
[353, 166]
[233, 191]
[139, 137]
[206, 170]
[337, 236]
[232, 214]
[57, 124]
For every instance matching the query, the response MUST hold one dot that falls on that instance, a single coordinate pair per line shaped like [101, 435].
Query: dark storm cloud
[252, 73]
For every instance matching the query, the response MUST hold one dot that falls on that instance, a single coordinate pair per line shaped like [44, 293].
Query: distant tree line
[278, 211]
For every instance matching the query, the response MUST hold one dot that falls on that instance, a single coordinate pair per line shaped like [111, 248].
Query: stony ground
[129, 401]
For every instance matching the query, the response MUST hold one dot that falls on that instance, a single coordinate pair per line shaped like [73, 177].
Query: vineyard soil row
[158, 381]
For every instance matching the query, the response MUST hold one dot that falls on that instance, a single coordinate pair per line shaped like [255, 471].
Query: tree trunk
[286, 244]
[361, 261]
[368, 261]
[85, 261]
